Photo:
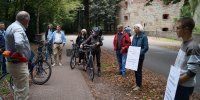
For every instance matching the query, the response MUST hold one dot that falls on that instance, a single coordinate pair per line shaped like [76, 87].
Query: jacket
[125, 42]
[141, 41]
[52, 38]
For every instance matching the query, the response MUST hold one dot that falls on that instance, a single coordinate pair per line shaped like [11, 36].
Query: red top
[125, 42]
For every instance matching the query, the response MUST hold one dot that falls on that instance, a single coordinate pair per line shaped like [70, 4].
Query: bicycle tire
[73, 62]
[91, 68]
[39, 72]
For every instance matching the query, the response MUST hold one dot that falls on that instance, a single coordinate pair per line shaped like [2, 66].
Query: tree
[103, 12]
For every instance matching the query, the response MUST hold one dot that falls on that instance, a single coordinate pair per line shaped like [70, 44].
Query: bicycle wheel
[41, 73]
[73, 62]
[91, 68]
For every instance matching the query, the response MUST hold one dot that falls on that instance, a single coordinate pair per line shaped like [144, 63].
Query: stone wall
[149, 16]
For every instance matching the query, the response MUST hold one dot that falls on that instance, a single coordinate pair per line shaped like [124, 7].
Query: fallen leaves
[118, 87]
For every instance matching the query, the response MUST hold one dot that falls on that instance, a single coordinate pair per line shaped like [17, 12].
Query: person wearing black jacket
[81, 37]
[95, 39]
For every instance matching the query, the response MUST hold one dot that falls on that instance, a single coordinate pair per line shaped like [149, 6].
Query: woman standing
[140, 40]
[81, 37]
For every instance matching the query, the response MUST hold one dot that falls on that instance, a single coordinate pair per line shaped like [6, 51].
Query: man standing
[121, 43]
[17, 42]
[58, 39]
[2, 48]
[188, 58]
[49, 32]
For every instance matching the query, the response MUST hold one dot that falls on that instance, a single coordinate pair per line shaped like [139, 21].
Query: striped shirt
[188, 60]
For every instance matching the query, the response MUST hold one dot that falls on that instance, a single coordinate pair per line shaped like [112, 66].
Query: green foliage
[186, 11]
[102, 11]
[197, 29]
[42, 13]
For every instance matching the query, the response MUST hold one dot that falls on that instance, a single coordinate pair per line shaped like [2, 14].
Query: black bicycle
[39, 68]
[88, 62]
[48, 52]
[74, 55]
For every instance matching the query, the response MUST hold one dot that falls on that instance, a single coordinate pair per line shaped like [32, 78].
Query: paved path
[64, 84]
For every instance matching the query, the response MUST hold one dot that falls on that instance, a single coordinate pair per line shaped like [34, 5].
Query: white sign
[180, 59]
[172, 83]
[133, 58]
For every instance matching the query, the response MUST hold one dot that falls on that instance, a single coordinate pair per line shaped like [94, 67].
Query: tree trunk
[87, 20]
[37, 21]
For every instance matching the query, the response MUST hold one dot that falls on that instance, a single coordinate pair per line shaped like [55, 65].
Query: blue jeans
[121, 58]
[3, 64]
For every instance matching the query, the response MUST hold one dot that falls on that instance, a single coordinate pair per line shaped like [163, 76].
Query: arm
[87, 40]
[63, 38]
[145, 44]
[128, 42]
[19, 41]
[193, 63]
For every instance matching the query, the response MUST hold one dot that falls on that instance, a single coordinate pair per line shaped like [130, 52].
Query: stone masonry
[156, 17]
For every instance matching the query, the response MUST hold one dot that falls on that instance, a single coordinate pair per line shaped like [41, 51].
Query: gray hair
[21, 15]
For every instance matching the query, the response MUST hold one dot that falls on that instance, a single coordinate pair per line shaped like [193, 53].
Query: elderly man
[17, 42]
[121, 43]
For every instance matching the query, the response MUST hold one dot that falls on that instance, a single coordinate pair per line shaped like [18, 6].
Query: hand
[81, 46]
[97, 43]
[123, 48]
[63, 44]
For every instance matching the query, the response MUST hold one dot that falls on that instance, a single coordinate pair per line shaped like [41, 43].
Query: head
[127, 29]
[83, 32]
[184, 27]
[95, 31]
[58, 28]
[23, 17]
[2, 26]
[50, 26]
[119, 28]
[138, 28]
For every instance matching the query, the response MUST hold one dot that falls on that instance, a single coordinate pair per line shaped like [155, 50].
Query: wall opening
[165, 29]
[125, 18]
[165, 16]
[126, 5]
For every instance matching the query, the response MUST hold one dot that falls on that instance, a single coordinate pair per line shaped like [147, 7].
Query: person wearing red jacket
[121, 44]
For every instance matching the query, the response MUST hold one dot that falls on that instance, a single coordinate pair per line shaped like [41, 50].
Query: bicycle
[88, 62]
[40, 69]
[75, 55]
[48, 52]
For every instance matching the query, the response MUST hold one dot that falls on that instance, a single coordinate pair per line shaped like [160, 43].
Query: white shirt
[58, 38]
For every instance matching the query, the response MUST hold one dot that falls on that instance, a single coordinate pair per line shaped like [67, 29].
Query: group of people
[188, 59]
[15, 40]
[57, 41]
[95, 40]
[121, 44]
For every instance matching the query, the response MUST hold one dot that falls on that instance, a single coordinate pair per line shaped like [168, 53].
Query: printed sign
[172, 83]
[133, 58]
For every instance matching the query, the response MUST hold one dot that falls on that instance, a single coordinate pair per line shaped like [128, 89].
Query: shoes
[123, 74]
[119, 73]
[99, 72]
[136, 88]
[60, 64]
[53, 64]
